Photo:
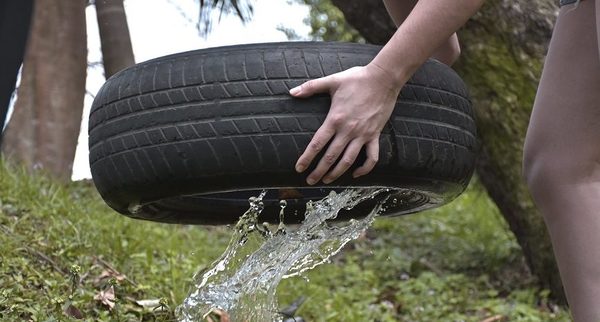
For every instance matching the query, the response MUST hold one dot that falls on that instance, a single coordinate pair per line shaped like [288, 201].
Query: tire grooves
[189, 119]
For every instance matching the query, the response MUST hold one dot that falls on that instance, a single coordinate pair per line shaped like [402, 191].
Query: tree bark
[117, 52]
[45, 124]
[503, 47]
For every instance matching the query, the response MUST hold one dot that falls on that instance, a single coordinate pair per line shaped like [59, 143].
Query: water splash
[243, 281]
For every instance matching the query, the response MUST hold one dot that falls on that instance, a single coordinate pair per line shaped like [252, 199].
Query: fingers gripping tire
[187, 138]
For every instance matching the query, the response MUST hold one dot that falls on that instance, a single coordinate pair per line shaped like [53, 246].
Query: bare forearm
[428, 26]
[399, 9]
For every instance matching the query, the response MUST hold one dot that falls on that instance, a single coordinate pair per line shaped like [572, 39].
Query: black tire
[187, 138]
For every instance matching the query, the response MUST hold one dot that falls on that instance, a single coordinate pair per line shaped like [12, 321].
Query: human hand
[362, 100]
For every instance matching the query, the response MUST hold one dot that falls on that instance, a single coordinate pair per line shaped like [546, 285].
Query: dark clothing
[15, 18]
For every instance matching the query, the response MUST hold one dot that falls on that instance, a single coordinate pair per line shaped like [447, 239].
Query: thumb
[313, 86]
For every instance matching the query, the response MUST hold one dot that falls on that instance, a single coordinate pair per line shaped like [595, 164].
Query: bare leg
[562, 155]
[400, 9]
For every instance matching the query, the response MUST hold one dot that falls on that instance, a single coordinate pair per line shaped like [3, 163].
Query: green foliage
[241, 8]
[327, 23]
[455, 263]
[65, 254]
[62, 246]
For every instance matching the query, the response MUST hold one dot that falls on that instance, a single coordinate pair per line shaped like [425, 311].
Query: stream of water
[243, 281]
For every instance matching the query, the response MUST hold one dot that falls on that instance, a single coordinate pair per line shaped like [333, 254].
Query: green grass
[61, 246]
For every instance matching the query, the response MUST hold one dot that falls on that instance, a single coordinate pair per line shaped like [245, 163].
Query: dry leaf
[109, 273]
[106, 297]
[73, 312]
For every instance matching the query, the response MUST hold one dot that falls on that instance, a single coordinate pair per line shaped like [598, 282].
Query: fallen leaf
[74, 312]
[148, 303]
[106, 297]
[109, 273]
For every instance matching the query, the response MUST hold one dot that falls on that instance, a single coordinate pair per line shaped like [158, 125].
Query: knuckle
[346, 162]
[373, 160]
[372, 134]
[315, 145]
[352, 125]
[337, 120]
[307, 86]
[329, 158]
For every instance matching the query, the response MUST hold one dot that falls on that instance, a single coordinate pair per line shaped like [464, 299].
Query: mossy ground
[63, 252]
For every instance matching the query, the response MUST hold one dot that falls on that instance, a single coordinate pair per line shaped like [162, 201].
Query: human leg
[398, 10]
[562, 155]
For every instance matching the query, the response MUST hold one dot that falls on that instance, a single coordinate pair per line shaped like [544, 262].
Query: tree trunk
[503, 48]
[45, 124]
[117, 52]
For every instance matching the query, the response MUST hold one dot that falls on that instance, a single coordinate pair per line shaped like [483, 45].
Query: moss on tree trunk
[503, 48]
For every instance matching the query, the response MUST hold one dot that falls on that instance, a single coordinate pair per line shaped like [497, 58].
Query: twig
[45, 258]
[5, 230]
[431, 267]
[83, 277]
[494, 318]
[110, 267]
[36, 252]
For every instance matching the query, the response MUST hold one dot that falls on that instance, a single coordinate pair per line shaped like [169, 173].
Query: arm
[427, 27]
[447, 52]
[363, 97]
[399, 9]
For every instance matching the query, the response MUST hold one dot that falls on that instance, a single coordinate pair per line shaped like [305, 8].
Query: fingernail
[310, 181]
[300, 168]
[327, 180]
[295, 90]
